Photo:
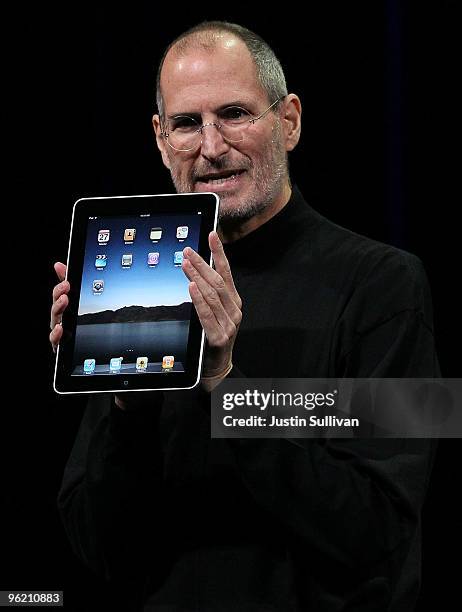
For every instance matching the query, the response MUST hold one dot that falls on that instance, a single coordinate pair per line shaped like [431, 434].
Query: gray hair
[269, 69]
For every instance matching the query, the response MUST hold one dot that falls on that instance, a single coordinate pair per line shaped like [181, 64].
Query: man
[193, 523]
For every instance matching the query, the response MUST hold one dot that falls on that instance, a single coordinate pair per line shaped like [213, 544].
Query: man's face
[247, 175]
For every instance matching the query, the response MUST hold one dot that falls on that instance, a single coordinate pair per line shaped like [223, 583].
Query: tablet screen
[134, 306]
[133, 321]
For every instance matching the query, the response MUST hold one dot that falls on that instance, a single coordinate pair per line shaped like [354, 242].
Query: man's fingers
[57, 310]
[60, 289]
[216, 336]
[60, 270]
[208, 293]
[201, 272]
[222, 265]
[216, 295]
[55, 336]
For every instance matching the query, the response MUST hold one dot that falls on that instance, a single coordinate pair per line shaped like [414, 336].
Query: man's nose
[213, 144]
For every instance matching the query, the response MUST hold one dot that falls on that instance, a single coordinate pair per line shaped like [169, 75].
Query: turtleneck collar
[261, 246]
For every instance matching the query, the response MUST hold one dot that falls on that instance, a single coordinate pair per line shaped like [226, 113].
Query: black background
[377, 82]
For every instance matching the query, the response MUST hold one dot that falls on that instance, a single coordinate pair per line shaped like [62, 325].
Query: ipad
[130, 324]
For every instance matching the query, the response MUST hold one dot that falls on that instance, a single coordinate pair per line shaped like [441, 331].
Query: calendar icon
[103, 236]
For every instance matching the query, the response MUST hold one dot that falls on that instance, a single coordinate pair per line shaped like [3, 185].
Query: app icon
[178, 258]
[167, 362]
[89, 366]
[98, 286]
[155, 233]
[153, 259]
[129, 235]
[141, 364]
[182, 232]
[115, 364]
[103, 236]
[101, 261]
[127, 260]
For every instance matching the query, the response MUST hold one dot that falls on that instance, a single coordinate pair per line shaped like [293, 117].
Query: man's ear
[161, 145]
[291, 114]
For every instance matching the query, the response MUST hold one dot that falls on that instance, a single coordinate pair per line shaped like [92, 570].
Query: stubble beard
[268, 176]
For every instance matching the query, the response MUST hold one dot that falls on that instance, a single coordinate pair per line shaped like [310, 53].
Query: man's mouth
[219, 178]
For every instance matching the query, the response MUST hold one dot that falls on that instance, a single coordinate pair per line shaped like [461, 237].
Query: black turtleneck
[184, 522]
[319, 300]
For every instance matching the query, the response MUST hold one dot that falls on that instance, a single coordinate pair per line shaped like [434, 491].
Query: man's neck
[234, 230]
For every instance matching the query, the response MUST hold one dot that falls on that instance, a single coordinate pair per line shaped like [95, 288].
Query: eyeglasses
[184, 133]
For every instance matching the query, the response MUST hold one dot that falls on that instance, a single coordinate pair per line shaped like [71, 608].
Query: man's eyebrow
[184, 114]
[241, 103]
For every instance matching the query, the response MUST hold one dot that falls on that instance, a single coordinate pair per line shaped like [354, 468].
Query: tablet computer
[130, 324]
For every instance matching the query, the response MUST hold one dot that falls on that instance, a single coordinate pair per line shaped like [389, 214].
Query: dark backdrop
[377, 83]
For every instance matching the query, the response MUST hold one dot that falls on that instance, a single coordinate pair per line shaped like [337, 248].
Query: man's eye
[234, 114]
[183, 123]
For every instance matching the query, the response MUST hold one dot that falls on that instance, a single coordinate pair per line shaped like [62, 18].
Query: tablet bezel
[134, 205]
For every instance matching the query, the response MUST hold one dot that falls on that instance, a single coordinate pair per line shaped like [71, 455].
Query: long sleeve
[386, 328]
[109, 497]
[349, 502]
[354, 505]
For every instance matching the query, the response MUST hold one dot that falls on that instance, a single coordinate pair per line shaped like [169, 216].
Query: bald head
[209, 35]
[203, 71]
[207, 40]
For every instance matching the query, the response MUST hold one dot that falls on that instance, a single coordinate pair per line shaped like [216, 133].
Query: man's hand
[126, 401]
[217, 303]
[60, 303]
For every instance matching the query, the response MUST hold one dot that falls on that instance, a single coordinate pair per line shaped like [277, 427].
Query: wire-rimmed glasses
[184, 133]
